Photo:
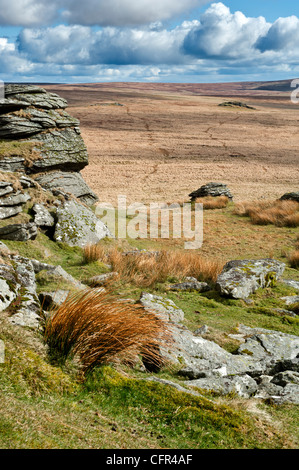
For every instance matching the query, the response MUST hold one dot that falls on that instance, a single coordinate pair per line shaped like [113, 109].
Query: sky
[181, 41]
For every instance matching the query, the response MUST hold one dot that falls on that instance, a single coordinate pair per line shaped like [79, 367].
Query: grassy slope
[43, 406]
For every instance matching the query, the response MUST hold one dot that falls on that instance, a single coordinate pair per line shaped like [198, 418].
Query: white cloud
[283, 35]
[224, 35]
[29, 13]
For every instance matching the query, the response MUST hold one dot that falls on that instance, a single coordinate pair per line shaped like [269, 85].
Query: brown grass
[150, 268]
[279, 213]
[294, 259]
[210, 203]
[99, 328]
[93, 253]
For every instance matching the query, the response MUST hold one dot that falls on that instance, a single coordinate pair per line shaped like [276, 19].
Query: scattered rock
[78, 226]
[236, 104]
[211, 189]
[166, 308]
[101, 279]
[244, 386]
[291, 283]
[291, 299]
[191, 286]
[284, 378]
[241, 278]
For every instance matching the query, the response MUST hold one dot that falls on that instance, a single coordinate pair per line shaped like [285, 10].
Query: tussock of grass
[210, 203]
[294, 259]
[279, 213]
[99, 329]
[148, 269]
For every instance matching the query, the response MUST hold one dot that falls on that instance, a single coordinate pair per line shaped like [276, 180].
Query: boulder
[78, 226]
[165, 308]
[9, 286]
[291, 283]
[211, 189]
[191, 286]
[19, 232]
[67, 182]
[294, 196]
[28, 311]
[23, 96]
[49, 300]
[241, 278]
[244, 386]
[42, 217]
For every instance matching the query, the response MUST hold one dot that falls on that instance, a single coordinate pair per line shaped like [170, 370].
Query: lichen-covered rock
[165, 308]
[42, 216]
[211, 189]
[191, 286]
[240, 278]
[68, 182]
[22, 96]
[19, 232]
[244, 385]
[78, 226]
[9, 286]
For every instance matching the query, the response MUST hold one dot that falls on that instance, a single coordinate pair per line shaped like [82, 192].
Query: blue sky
[71, 41]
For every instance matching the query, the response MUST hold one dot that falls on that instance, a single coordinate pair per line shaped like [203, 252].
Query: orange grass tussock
[294, 259]
[98, 328]
[147, 269]
[279, 213]
[210, 203]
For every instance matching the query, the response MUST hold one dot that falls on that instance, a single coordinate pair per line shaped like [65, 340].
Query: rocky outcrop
[266, 364]
[240, 278]
[211, 189]
[36, 118]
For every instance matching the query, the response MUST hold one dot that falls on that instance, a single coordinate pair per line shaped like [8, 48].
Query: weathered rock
[244, 386]
[166, 308]
[53, 273]
[78, 226]
[31, 95]
[289, 394]
[265, 344]
[240, 278]
[191, 286]
[291, 299]
[68, 182]
[33, 121]
[284, 378]
[52, 299]
[291, 283]
[7, 212]
[19, 232]
[211, 189]
[14, 199]
[5, 188]
[266, 388]
[42, 216]
[9, 286]
[59, 150]
[294, 196]
[28, 312]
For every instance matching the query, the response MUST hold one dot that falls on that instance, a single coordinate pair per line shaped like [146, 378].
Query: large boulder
[211, 189]
[240, 278]
[78, 226]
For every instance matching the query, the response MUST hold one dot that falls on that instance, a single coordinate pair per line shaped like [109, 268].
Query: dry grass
[294, 259]
[149, 268]
[99, 328]
[210, 203]
[93, 253]
[279, 213]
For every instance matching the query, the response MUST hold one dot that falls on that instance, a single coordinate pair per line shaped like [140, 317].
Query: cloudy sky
[75, 41]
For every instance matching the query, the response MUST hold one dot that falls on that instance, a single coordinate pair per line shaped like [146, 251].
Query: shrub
[99, 328]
